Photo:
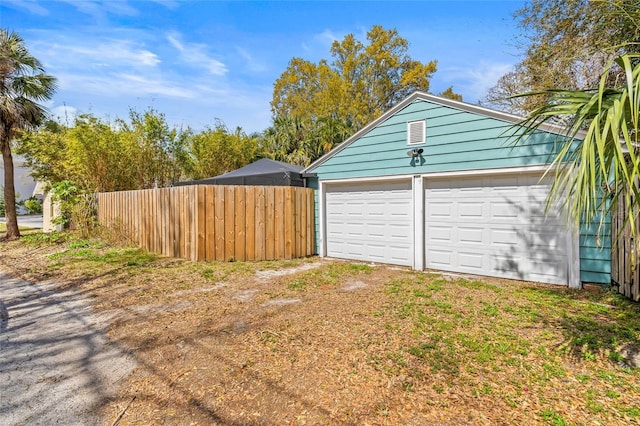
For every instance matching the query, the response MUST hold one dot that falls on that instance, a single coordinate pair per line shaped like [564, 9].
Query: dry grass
[326, 342]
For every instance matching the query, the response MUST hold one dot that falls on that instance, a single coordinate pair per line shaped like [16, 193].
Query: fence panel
[625, 266]
[204, 222]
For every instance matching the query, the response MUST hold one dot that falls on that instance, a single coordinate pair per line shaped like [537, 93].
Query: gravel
[56, 363]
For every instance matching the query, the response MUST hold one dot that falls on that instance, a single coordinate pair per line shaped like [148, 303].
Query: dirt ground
[327, 342]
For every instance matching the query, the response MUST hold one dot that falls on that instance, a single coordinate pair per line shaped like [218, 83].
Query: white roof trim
[463, 106]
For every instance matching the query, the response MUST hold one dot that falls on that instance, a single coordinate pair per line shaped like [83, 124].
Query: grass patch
[330, 276]
[553, 418]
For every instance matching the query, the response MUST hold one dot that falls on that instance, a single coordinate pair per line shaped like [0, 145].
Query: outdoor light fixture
[415, 152]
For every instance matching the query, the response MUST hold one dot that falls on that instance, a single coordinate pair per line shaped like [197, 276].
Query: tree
[216, 150]
[361, 82]
[161, 150]
[449, 93]
[602, 145]
[23, 83]
[568, 44]
[331, 100]
[139, 153]
[45, 151]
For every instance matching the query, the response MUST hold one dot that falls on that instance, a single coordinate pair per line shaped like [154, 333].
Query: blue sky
[198, 61]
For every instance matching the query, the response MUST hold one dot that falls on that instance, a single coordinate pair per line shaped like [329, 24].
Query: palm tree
[23, 83]
[600, 154]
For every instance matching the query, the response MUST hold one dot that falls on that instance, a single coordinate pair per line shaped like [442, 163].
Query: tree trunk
[13, 232]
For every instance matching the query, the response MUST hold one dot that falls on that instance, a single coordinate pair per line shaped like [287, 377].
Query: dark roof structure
[262, 172]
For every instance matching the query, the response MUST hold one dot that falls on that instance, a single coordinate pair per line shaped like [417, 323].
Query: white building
[24, 183]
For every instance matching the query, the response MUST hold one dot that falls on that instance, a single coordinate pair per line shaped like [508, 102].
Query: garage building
[439, 184]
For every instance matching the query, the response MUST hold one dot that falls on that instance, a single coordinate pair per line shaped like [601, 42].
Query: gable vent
[416, 132]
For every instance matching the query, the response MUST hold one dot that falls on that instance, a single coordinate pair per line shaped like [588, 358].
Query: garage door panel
[399, 253]
[469, 235]
[495, 226]
[370, 221]
[440, 258]
[474, 261]
[376, 252]
[471, 210]
[441, 234]
[505, 237]
[501, 210]
[441, 210]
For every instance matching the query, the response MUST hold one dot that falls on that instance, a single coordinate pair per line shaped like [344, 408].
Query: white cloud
[326, 37]
[66, 52]
[100, 9]
[195, 55]
[122, 85]
[64, 113]
[473, 81]
[169, 4]
[251, 63]
[31, 6]
[130, 83]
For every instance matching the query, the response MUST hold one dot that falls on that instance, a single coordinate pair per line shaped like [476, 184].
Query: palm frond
[599, 147]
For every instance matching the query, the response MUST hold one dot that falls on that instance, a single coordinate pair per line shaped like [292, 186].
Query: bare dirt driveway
[301, 342]
[56, 363]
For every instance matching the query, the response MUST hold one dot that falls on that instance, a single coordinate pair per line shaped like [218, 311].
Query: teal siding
[456, 140]
[595, 252]
[313, 183]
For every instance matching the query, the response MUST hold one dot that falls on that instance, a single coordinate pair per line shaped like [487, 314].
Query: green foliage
[67, 193]
[78, 207]
[162, 151]
[45, 152]
[553, 418]
[318, 105]
[293, 141]
[362, 81]
[139, 153]
[33, 204]
[215, 151]
[567, 45]
[449, 93]
[43, 239]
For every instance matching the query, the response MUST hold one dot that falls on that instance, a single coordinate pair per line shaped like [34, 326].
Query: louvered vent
[416, 132]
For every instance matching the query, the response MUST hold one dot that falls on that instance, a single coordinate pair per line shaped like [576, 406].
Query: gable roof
[463, 106]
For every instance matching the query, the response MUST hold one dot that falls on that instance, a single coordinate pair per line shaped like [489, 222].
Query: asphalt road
[32, 221]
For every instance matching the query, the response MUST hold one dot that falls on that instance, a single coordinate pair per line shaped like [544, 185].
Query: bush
[34, 205]
[78, 208]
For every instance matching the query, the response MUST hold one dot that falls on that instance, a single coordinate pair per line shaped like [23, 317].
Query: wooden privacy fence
[207, 222]
[625, 269]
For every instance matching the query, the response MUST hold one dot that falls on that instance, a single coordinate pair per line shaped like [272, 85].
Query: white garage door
[495, 226]
[371, 222]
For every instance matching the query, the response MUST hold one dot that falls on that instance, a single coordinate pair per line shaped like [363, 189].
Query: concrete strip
[56, 362]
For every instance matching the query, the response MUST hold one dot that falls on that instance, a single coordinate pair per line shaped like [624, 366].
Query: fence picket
[269, 225]
[260, 223]
[240, 225]
[250, 209]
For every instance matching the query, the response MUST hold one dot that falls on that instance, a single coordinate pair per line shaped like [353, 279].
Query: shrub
[34, 205]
